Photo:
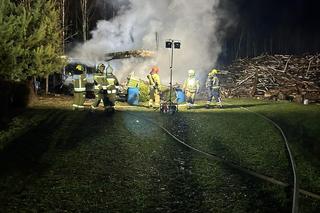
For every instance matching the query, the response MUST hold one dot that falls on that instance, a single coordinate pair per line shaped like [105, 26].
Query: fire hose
[236, 166]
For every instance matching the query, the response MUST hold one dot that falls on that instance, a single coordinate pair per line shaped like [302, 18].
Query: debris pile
[131, 53]
[283, 77]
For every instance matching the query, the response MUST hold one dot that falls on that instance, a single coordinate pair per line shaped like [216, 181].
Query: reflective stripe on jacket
[191, 84]
[79, 83]
[154, 81]
[213, 82]
[99, 80]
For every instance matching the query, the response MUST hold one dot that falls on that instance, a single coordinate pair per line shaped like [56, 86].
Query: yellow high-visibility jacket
[154, 81]
[191, 85]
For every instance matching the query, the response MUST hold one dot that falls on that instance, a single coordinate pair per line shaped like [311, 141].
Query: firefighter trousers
[213, 93]
[154, 98]
[109, 100]
[98, 98]
[190, 97]
[78, 99]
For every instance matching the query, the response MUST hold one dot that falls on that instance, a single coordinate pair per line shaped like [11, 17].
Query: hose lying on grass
[226, 162]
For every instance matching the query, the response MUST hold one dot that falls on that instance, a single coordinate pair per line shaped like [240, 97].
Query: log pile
[283, 77]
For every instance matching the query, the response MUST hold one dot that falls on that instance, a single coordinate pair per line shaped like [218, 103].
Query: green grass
[253, 142]
[82, 161]
[301, 124]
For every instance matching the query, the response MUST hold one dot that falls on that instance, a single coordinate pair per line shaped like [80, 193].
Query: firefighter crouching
[110, 89]
[191, 87]
[79, 82]
[213, 88]
[154, 87]
[99, 82]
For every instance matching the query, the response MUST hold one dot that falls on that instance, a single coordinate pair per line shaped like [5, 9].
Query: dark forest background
[264, 26]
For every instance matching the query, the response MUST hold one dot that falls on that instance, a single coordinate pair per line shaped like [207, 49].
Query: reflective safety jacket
[112, 80]
[111, 84]
[213, 82]
[79, 82]
[99, 81]
[154, 81]
[191, 85]
[133, 82]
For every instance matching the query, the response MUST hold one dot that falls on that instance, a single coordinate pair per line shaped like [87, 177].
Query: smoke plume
[140, 23]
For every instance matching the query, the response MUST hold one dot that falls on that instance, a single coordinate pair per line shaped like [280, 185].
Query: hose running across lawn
[295, 198]
[228, 163]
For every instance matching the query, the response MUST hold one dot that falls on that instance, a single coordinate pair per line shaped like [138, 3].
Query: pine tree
[12, 23]
[30, 46]
[44, 39]
[30, 39]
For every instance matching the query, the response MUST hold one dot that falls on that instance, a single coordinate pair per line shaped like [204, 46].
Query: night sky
[270, 15]
[273, 26]
[259, 26]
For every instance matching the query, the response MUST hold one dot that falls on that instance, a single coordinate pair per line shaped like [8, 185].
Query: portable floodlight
[168, 44]
[171, 107]
[177, 44]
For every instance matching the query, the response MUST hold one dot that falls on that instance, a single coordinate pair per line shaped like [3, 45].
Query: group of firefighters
[106, 88]
[191, 87]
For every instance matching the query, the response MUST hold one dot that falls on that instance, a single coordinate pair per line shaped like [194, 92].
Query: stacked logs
[283, 77]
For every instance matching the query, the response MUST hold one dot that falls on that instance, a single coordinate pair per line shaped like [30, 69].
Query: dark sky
[262, 26]
[273, 26]
[274, 13]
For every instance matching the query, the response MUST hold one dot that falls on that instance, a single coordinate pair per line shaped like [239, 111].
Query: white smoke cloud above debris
[194, 23]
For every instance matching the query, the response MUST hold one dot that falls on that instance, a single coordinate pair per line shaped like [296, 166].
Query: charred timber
[131, 53]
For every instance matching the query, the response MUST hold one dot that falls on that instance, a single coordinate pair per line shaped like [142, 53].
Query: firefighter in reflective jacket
[191, 87]
[213, 88]
[99, 82]
[110, 89]
[79, 83]
[154, 87]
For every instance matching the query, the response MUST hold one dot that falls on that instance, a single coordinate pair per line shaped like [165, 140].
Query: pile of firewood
[283, 77]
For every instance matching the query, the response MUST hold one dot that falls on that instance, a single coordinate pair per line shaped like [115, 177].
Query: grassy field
[56, 159]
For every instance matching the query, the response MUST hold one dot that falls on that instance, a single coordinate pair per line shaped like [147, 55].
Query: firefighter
[79, 82]
[154, 87]
[191, 87]
[99, 82]
[213, 88]
[110, 90]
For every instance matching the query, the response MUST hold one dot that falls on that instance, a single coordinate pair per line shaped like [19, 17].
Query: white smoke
[193, 23]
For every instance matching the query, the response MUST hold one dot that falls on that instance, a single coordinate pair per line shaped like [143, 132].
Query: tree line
[30, 39]
[270, 27]
[30, 43]
[81, 16]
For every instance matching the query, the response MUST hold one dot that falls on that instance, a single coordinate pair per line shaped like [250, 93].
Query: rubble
[283, 77]
[132, 53]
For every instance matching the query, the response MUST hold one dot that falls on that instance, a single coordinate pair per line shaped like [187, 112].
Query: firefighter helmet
[79, 67]
[154, 70]
[109, 70]
[214, 72]
[101, 67]
[191, 73]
